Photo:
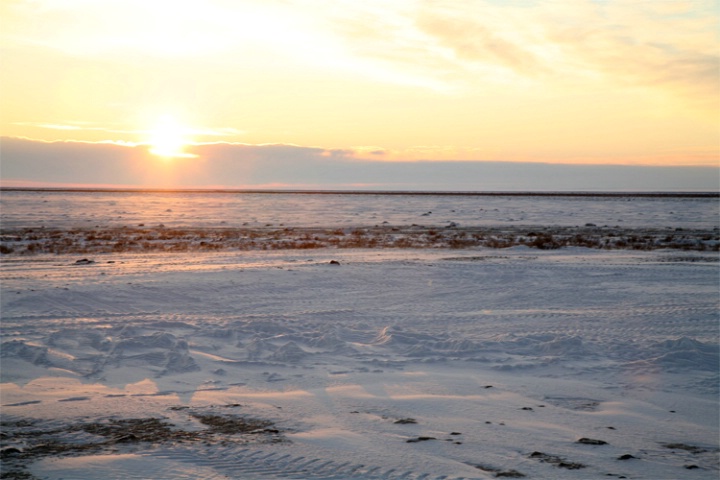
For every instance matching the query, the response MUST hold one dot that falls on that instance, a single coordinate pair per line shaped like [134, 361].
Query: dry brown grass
[161, 239]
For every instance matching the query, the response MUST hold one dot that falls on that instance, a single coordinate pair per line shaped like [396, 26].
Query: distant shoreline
[370, 192]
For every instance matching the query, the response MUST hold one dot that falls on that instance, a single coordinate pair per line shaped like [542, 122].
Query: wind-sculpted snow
[679, 354]
[391, 364]
[159, 353]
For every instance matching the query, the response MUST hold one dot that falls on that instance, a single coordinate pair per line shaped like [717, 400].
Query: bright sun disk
[168, 139]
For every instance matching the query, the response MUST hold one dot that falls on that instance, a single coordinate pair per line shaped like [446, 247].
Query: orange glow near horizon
[611, 82]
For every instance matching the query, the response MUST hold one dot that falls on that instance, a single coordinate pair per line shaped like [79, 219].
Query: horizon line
[534, 193]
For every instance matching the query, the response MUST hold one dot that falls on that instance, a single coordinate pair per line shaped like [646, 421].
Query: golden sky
[632, 82]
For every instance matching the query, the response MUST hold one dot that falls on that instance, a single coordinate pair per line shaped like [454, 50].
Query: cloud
[523, 36]
[366, 150]
[670, 46]
[67, 162]
[650, 53]
[85, 126]
[51, 126]
[33, 163]
[474, 41]
[533, 80]
[216, 132]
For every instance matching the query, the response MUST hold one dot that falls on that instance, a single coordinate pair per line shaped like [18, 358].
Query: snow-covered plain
[21, 209]
[331, 363]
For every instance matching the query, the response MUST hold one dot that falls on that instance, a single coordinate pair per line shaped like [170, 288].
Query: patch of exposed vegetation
[137, 430]
[682, 446]
[233, 425]
[500, 473]
[17, 475]
[557, 461]
[591, 441]
[23, 441]
[30, 241]
[405, 421]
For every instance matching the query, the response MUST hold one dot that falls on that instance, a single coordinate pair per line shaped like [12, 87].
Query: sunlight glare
[168, 139]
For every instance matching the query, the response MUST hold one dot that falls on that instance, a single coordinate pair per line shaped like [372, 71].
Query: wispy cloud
[216, 132]
[535, 80]
[642, 45]
[669, 45]
[476, 42]
[194, 132]
[77, 126]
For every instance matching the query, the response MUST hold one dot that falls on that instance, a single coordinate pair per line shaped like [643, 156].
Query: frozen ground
[88, 223]
[80, 210]
[392, 364]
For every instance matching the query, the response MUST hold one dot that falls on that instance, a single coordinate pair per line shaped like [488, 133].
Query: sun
[169, 138]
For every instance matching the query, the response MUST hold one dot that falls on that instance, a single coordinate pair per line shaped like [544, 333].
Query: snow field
[390, 364]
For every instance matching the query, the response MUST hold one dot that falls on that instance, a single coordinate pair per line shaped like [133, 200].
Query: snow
[22, 209]
[397, 363]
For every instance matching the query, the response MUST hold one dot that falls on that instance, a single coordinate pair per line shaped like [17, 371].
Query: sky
[401, 94]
